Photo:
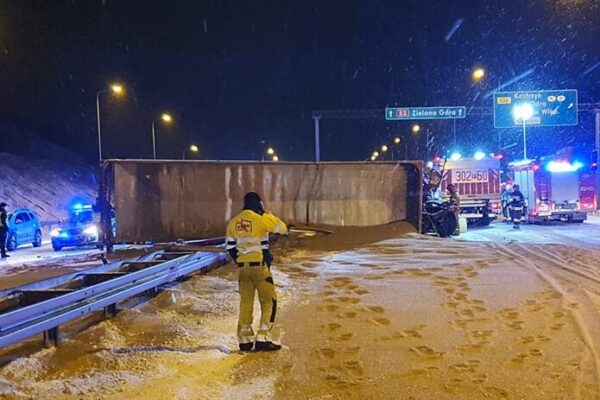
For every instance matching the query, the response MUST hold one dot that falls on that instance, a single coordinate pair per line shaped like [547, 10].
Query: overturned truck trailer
[167, 200]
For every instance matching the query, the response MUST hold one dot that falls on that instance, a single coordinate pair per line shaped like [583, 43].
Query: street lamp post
[165, 118]
[397, 142]
[98, 120]
[317, 140]
[524, 141]
[117, 89]
[523, 112]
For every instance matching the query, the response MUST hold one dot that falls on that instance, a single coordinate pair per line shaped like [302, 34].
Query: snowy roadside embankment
[44, 186]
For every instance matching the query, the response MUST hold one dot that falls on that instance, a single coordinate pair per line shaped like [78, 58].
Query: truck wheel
[446, 225]
[11, 243]
[485, 221]
[426, 225]
[37, 242]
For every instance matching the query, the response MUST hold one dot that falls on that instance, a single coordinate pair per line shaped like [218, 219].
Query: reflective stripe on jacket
[248, 232]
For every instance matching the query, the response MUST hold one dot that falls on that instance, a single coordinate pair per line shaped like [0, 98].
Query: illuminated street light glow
[271, 151]
[384, 148]
[373, 158]
[166, 117]
[522, 112]
[479, 155]
[275, 158]
[455, 156]
[117, 88]
[416, 128]
[194, 148]
[478, 74]
[375, 154]
[396, 140]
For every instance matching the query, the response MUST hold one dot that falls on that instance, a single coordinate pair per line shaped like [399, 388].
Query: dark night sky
[235, 73]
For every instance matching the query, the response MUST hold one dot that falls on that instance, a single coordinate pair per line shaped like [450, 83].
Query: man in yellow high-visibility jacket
[247, 241]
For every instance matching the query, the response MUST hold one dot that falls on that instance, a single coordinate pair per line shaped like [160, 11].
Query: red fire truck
[555, 189]
[478, 185]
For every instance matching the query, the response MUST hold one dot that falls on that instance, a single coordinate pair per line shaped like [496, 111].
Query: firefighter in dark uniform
[3, 230]
[247, 241]
[454, 199]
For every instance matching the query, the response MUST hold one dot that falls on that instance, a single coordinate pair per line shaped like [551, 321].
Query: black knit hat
[252, 201]
[3, 204]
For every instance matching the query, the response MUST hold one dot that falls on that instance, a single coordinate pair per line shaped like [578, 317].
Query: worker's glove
[267, 257]
[289, 227]
[233, 253]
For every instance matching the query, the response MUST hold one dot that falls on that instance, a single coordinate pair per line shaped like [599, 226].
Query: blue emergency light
[563, 166]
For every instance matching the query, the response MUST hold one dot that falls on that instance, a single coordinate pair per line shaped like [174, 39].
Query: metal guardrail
[47, 315]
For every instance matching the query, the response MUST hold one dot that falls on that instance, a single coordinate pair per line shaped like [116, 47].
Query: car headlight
[55, 232]
[91, 230]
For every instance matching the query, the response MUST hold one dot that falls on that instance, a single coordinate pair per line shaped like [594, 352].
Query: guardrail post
[111, 310]
[51, 337]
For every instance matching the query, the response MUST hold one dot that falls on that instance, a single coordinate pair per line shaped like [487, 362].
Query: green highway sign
[409, 113]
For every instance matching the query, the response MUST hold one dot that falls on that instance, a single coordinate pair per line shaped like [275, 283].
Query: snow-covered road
[29, 264]
[580, 235]
[413, 316]
[28, 254]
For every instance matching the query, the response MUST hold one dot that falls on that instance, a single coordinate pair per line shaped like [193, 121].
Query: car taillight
[533, 214]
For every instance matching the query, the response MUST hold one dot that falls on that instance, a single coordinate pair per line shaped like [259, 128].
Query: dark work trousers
[3, 242]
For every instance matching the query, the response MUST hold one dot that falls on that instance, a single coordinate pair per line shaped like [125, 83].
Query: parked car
[24, 228]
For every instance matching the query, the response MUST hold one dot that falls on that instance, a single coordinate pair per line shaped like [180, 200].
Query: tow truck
[555, 189]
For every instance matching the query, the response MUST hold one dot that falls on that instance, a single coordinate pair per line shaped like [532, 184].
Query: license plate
[470, 176]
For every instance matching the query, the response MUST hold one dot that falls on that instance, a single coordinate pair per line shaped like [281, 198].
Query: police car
[81, 229]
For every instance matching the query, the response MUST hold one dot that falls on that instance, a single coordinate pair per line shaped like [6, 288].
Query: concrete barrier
[165, 200]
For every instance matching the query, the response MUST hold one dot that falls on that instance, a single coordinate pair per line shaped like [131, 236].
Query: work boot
[267, 346]
[5, 256]
[246, 346]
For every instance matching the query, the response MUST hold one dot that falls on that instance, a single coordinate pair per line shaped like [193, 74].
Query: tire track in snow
[574, 301]
[583, 269]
